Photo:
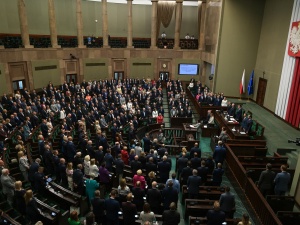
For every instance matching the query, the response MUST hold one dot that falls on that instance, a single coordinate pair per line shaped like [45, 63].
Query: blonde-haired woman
[86, 164]
[19, 197]
[69, 172]
[32, 211]
[94, 169]
[23, 164]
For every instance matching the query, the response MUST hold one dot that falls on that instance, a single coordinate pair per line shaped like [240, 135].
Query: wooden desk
[9, 219]
[68, 198]
[189, 130]
[233, 134]
[205, 192]
[208, 131]
[50, 215]
[195, 207]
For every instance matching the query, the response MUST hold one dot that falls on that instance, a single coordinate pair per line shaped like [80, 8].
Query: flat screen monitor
[188, 69]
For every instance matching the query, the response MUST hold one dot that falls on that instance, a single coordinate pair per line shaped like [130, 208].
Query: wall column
[23, 24]
[178, 23]
[201, 40]
[79, 24]
[129, 21]
[105, 24]
[154, 24]
[52, 24]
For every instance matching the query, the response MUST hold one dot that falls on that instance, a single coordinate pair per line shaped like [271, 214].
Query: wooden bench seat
[205, 192]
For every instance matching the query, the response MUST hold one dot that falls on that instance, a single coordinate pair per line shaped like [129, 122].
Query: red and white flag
[242, 84]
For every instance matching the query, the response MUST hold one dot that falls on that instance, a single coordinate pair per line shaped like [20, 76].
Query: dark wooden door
[261, 91]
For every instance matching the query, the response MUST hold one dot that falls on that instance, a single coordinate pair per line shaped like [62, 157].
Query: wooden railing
[263, 211]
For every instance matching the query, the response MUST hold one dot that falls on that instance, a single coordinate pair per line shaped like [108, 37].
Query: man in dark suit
[219, 153]
[169, 194]
[151, 166]
[249, 124]
[119, 167]
[78, 180]
[154, 198]
[203, 172]
[135, 165]
[40, 181]
[193, 185]
[227, 203]
[186, 172]
[266, 181]
[139, 195]
[217, 175]
[129, 211]
[112, 207]
[239, 114]
[171, 217]
[181, 163]
[98, 205]
[195, 149]
[164, 169]
[196, 161]
[147, 143]
[33, 169]
[215, 216]
[44, 128]
[282, 181]
[71, 149]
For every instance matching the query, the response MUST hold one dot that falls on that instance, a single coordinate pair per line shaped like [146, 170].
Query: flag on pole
[250, 84]
[242, 84]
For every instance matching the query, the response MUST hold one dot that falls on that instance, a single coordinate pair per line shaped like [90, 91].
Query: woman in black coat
[32, 211]
[19, 198]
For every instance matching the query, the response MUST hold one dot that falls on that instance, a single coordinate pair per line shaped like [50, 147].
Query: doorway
[18, 85]
[164, 76]
[261, 91]
[71, 78]
[119, 75]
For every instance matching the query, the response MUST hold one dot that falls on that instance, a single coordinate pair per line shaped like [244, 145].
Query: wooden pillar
[201, 40]
[105, 24]
[129, 22]
[178, 23]
[24, 24]
[154, 24]
[79, 24]
[52, 24]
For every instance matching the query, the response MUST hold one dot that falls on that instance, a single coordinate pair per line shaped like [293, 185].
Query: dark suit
[150, 167]
[98, 209]
[227, 204]
[219, 154]
[217, 176]
[164, 170]
[135, 166]
[39, 182]
[181, 163]
[186, 172]
[78, 181]
[266, 181]
[129, 212]
[215, 217]
[138, 199]
[193, 184]
[147, 144]
[32, 211]
[112, 207]
[282, 181]
[171, 217]
[169, 194]
[154, 198]
[32, 170]
[203, 172]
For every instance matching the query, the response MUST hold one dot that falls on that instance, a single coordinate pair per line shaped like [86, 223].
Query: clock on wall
[164, 65]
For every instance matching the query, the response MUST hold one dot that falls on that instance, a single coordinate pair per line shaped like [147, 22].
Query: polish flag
[242, 84]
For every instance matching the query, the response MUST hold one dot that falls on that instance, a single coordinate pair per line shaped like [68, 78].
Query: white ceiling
[144, 2]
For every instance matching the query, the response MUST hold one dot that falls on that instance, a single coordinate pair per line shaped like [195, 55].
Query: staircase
[166, 109]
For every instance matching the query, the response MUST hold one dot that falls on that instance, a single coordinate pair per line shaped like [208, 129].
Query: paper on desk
[205, 126]
[242, 132]
[230, 121]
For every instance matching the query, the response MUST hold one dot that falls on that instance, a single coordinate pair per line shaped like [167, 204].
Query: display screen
[188, 69]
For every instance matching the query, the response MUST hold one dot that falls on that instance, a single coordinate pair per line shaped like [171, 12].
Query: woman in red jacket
[139, 177]
[160, 118]
[124, 155]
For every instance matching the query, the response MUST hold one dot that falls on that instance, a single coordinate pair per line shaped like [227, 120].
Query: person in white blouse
[94, 168]
[129, 105]
[224, 102]
[155, 113]
[87, 164]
